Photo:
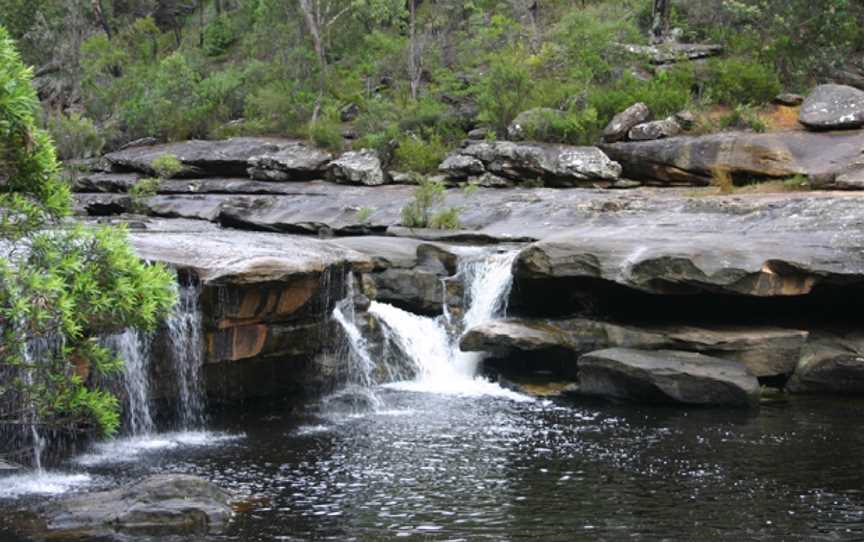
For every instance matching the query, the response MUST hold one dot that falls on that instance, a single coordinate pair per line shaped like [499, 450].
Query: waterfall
[186, 350]
[439, 365]
[134, 348]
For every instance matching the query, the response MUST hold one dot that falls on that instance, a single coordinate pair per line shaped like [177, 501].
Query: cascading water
[134, 348]
[439, 365]
[186, 349]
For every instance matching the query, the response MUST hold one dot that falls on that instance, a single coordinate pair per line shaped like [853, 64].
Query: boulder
[478, 134]
[685, 119]
[658, 129]
[555, 165]
[833, 107]
[226, 158]
[690, 160]
[765, 350]
[621, 124]
[358, 167]
[831, 363]
[161, 505]
[670, 53]
[461, 166]
[526, 121]
[349, 113]
[293, 162]
[667, 376]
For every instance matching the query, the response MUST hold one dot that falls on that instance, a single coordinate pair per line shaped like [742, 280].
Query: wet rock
[358, 167]
[832, 107]
[789, 99]
[623, 122]
[831, 363]
[293, 162]
[667, 376]
[7, 468]
[227, 158]
[556, 165]
[162, 505]
[658, 129]
[526, 121]
[764, 350]
[691, 160]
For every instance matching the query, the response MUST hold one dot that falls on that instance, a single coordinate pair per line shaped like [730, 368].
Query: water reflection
[432, 467]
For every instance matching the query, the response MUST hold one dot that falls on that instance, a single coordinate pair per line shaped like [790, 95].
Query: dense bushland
[420, 72]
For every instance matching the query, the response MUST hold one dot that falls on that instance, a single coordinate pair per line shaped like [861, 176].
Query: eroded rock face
[667, 376]
[162, 505]
[358, 167]
[555, 165]
[833, 107]
[292, 162]
[764, 350]
[623, 122]
[226, 158]
[686, 160]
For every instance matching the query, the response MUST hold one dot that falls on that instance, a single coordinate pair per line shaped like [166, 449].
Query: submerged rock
[162, 505]
[667, 376]
[832, 107]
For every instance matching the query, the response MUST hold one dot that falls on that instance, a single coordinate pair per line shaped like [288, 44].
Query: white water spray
[185, 341]
[134, 348]
[440, 366]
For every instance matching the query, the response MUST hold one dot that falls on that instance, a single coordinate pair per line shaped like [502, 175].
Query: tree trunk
[660, 20]
[100, 16]
[414, 67]
[313, 25]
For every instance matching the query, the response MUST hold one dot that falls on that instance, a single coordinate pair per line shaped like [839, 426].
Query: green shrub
[75, 136]
[418, 213]
[446, 219]
[143, 190]
[743, 117]
[734, 81]
[415, 154]
[505, 92]
[668, 93]
[284, 106]
[218, 37]
[166, 166]
[326, 133]
[578, 127]
[364, 214]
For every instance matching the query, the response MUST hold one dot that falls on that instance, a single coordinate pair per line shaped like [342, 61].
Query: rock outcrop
[764, 350]
[292, 162]
[161, 505]
[621, 124]
[554, 165]
[832, 363]
[833, 107]
[667, 376]
[691, 160]
[359, 167]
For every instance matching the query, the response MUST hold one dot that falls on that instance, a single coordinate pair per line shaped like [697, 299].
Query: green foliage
[326, 133]
[580, 127]
[75, 136]
[62, 286]
[446, 219]
[742, 117]
[166, 166]
[415, 154]
[738, 81]
[218, 37]
[142, 191]
[364, 214]
[418, 213]
[505, 92]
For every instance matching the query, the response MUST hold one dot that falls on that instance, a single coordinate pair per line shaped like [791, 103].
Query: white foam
[124, 450]
[475, 387]
[41, 483]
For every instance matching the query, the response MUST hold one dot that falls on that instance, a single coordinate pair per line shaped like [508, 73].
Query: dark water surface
[436, 467]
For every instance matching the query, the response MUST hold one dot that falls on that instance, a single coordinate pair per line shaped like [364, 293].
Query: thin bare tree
[320, 15]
